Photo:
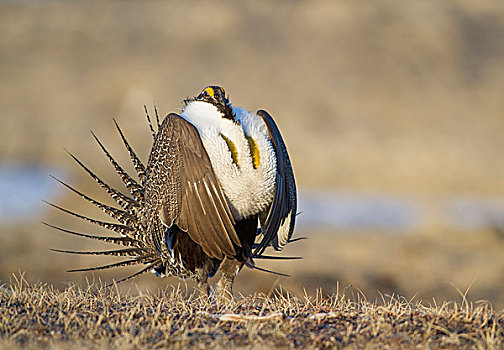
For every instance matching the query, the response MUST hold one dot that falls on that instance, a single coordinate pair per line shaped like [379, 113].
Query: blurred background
[393, 113]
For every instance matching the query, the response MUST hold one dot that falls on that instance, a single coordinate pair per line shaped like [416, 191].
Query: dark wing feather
[184, 190]
[278, 226]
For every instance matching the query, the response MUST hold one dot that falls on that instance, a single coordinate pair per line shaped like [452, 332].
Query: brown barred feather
[150, 122]
[133, 187]
[129, 252]
[157, 117]
[119, 228]
[118, 214]
[144, 259]
[144, 270]
[124, 241]
[137, 163]
[124, 201]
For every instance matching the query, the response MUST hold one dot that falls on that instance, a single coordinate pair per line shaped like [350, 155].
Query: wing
[183, 190]
[279, 224]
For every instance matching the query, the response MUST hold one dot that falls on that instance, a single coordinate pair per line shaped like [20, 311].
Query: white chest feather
[241, 154]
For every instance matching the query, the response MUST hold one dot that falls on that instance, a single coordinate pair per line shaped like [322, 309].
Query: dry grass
[94, 317]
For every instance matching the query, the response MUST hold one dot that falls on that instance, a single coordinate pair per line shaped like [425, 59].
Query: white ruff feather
[249, 191]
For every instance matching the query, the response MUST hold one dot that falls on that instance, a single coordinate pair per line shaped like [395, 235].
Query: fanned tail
[136, 250]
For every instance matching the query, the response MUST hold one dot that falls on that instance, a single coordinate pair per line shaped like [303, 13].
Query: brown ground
[40, 317]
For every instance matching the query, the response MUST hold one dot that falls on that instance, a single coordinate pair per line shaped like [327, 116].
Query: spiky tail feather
[124, 241]
[114, 213]
[124, 201]
[142, 271]
[150, 122]
[129, 252]
[136, 190]
[252, 266]
[137, 163]
[273, 257]
[138, 251]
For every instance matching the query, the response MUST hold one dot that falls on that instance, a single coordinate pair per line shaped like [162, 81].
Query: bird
[217, 190]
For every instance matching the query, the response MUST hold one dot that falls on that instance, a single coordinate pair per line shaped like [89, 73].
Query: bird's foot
[204, 291]
[225, 290]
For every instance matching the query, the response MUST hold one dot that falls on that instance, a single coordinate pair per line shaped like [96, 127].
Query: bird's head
[213, 94]
[216, 95]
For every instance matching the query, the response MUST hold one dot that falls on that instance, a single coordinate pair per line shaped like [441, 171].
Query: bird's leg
[229, 269]
[202, 281]
[203, 289]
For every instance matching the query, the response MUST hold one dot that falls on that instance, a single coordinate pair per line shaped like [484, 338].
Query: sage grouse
[218, 189]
